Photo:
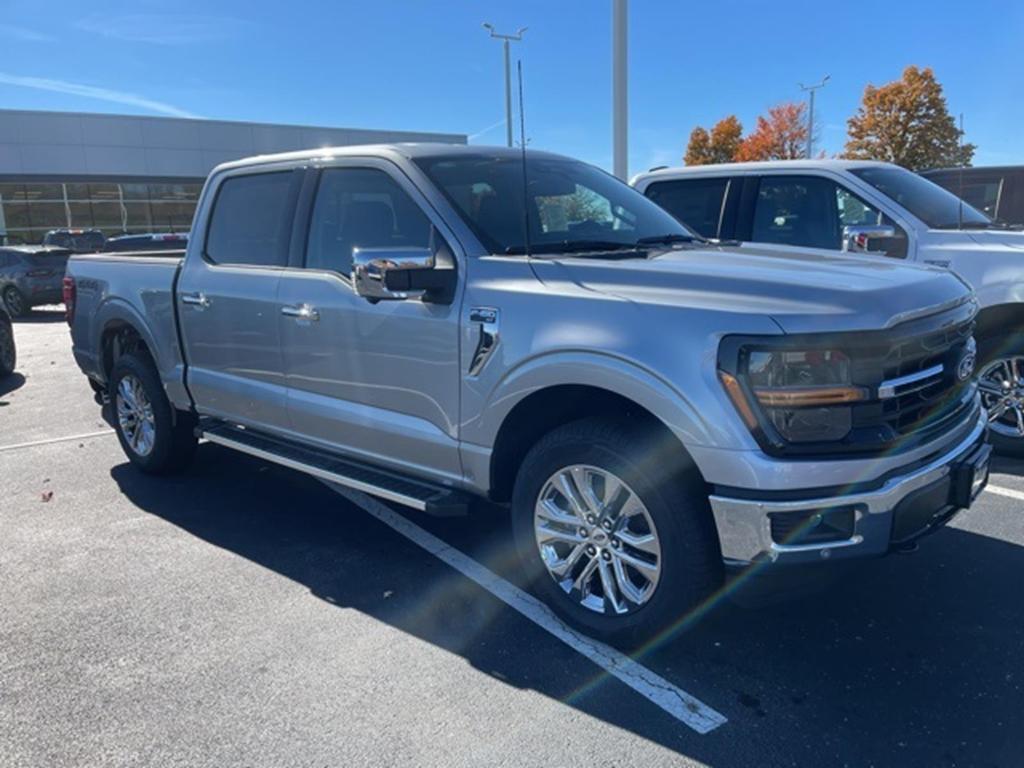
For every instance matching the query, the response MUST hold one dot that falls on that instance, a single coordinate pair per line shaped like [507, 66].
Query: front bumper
[838, 525]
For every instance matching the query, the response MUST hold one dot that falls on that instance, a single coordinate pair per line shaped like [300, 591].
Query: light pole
[506, 39]
[620, 104]
[810, 111]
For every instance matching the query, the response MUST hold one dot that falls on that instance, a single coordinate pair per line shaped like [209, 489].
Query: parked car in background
[996, 191]
[647, 404]
[8, 353]
[818, 207]
[30, 275]
[159, 241]
[76, 240]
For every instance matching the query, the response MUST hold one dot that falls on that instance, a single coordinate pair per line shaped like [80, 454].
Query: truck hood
[999, 238]
[802, 293]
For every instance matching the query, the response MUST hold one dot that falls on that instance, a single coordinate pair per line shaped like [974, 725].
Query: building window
[29, 210]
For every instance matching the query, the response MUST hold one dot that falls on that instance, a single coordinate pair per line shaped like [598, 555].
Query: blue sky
[428, 64]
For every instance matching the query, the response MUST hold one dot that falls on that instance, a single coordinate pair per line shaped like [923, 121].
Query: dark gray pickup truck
[411, 321]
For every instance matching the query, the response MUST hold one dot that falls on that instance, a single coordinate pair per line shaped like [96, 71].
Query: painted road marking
[51, 440]
[1008, 492]
[656, 689]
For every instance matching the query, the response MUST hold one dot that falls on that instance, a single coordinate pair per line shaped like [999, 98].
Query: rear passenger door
[379, 381]
[704, 204]
[227, 299]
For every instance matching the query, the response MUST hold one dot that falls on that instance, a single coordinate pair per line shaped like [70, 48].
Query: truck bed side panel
[137, 291]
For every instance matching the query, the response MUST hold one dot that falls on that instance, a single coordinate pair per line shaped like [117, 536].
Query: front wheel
[614, 530]
[155, 437]
[1001, 381]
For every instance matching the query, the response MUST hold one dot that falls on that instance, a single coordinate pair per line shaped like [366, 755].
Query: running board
[435, 500]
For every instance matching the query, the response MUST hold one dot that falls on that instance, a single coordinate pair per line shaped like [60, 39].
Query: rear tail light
[70, 294]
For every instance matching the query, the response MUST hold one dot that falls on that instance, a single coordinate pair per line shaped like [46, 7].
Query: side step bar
[433, 499]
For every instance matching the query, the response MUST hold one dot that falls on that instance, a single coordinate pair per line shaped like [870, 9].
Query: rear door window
[697, 203]
[251, 220]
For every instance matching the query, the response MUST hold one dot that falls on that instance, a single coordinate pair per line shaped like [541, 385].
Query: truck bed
[135, 287]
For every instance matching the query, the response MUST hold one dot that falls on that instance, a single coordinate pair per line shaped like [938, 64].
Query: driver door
[379, 381]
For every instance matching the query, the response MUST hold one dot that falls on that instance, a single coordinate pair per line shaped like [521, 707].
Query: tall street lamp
[506, 40]
[810, 111]
[620, 105]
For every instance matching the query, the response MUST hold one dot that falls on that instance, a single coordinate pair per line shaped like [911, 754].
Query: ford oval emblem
[965, 368]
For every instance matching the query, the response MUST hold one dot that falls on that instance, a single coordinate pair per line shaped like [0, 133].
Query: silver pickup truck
[431, 324]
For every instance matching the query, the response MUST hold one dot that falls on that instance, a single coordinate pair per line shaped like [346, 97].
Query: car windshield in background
[935, 206]
[573, 207]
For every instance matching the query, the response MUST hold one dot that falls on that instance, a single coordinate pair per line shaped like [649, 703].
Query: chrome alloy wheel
[135, 415]
[597, 540]
[1002, 392]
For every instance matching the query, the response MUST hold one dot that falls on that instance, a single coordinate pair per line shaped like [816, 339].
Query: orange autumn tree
[782, 135]
[908, 123]
[718, 146]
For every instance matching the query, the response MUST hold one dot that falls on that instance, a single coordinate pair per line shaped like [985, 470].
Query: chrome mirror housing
[390, 273]
[857, 238]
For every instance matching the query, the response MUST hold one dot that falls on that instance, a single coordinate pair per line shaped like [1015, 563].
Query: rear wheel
[156, 438]
[614, 530]
[1001, 381]
[8, 353]
[14, 302]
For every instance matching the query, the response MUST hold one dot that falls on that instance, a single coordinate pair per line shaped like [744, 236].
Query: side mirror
[400, 273]
[857, 238]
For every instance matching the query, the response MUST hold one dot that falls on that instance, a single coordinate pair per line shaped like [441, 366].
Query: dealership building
[124, 174]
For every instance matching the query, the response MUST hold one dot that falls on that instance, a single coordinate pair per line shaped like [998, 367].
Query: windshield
[935, 206]
[572, 206]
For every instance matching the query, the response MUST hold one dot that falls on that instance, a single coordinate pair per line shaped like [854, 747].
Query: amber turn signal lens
[735, 391]
[798, 397]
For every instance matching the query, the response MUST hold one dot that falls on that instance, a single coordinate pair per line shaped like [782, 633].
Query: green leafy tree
[907, 122]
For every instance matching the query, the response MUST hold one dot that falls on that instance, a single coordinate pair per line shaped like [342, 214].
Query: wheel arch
[548, 408]
[1000, 319]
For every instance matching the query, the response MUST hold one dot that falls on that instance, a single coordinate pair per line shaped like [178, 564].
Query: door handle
[301, 312]
[195, 299]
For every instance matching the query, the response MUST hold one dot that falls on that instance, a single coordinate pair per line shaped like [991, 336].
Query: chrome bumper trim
[744, 527]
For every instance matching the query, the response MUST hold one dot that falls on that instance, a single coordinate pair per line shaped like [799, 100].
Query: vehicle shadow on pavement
[915, 657]
[38, 315]
[10, 384]
[1008, 466]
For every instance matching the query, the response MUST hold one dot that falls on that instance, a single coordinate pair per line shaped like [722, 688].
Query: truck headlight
[803, 395]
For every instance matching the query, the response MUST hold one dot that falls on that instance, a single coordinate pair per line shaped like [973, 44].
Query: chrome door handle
[301, 312]
[196, 299]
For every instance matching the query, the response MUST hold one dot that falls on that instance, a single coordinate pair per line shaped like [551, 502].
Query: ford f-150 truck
[431, 323]
[856, 206]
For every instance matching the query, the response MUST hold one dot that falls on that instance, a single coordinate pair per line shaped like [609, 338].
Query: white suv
[872, 209]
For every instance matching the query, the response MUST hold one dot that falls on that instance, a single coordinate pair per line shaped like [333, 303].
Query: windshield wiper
[668, 239]
[573, 246]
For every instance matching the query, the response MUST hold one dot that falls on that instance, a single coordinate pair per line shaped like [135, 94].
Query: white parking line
[675, 701]
[52, 440]
[1008, 492]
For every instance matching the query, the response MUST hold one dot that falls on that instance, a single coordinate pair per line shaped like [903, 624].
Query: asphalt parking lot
[243, 614]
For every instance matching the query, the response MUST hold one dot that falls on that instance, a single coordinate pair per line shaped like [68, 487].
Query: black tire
[652, 466]
[8, 352]
[991, 349]
[15, 304]
[173, 439]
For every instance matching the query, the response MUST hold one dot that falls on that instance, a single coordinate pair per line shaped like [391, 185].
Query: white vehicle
[878, 209]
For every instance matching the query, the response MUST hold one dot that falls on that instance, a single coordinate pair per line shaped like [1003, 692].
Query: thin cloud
[24, 33]
[94, 92]
[164, 29]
